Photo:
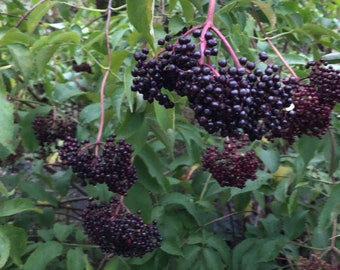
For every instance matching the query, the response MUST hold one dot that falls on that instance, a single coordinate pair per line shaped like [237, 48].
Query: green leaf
[331, 209]
[62, 231]
[167, 137]
[91, 112]
[6, 124]
[171, 247]
[267, 10]
[23, 59]
[188, 10]
[138, 199]
[44, 254]
[317, 31]
[36, 15]
[18, 242]
[75, 259]
[15, 206]
[140, 14]
[212, 259]
[307, 146]
[186, 201]
[65, 91]
[270, 158]
[37, 191]
[332, 57]
[55, 38]
[14, 35]
[43, 56]
[117, 59]
[4, 247]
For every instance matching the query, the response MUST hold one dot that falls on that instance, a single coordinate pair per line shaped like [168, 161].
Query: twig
[271, 43]
[106, 74]
[79, 188]
[28, 12]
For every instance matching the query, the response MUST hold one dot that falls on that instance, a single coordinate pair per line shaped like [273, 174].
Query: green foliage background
[291, 210]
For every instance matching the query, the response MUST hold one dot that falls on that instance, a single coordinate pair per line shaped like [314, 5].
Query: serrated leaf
[267, 10]
[307, 146]
[17, 205]
[64, 92]
[186, 201]
[270, 158]
[43, 56]
[6, 124]
[212, 259]
[36, 15]
[22, 58]
[75, 259]
[62, 231]
[56, 38]
[44, 254]
[188, 10]
[4, 247]
[141, 16]
[14, 35]
[37, 191]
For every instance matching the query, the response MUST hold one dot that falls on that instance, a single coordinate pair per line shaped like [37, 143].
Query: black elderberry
[112, 166]
[118, 231]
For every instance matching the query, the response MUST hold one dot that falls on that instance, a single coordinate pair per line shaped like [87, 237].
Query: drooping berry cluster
[112, 166]
[229, 100]
[49, 128]
[118, 231]
[232, 167]
[314, 98]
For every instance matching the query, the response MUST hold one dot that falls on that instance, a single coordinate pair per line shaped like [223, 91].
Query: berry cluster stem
[284, 62]
[106, 74]
[209, 24]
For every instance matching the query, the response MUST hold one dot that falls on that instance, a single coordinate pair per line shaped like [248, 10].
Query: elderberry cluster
[112, 166]
[232, 167]
[314, 98]
[228, 100]
[48, 128]
[118, 231]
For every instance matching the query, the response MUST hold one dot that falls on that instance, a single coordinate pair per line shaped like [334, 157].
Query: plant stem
[28, 12]
[271, 43]
[106, 74]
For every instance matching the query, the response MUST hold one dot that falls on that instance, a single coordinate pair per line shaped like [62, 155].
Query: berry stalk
[106, 75]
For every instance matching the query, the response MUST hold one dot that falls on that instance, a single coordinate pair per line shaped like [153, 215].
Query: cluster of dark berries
[228, 100]
[314, 98]
[231, 167]
[113, 165]
[118, 231]
[49, 128]
[314, 263]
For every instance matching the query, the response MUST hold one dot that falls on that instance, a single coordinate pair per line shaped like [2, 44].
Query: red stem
[106, 75]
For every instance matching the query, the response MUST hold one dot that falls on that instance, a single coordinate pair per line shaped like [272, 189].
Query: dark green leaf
[267, 10]
[331, 209]
[62, 231]
[15, 206]
[65, 91]
[36, 15]
[6, 124]
[18, 240]
[75, 259]
[5, 246]
[212, 259]
[37, 191]
[141, 15]
[270, 158]
[307, 146]
[44, 254]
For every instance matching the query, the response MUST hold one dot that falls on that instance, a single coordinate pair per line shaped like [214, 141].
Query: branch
[28, 12]
[106, 74]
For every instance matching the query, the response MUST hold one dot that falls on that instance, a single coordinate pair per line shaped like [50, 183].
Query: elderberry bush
[113, 165]
[231, 167]
[118, 231]
[48, 128]
[229, 100]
